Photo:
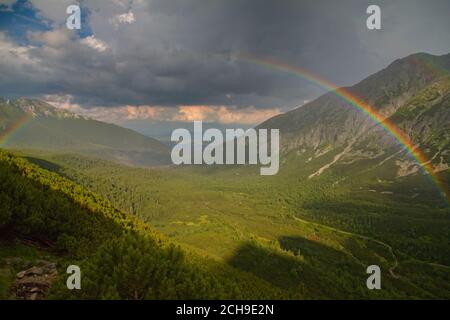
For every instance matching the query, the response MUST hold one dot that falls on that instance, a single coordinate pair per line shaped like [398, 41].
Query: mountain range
[348, 195]
[412, 93]
[48, 128]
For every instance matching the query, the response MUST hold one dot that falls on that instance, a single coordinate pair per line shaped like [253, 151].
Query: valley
[312, 239]
[350, 192]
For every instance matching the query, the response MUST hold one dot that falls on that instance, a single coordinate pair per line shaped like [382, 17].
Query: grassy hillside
[304, 236]
[120, 257]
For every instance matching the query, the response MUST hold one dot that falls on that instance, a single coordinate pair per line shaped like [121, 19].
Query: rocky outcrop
[34, 283]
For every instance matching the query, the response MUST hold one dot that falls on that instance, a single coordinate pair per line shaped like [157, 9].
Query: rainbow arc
[390, 127]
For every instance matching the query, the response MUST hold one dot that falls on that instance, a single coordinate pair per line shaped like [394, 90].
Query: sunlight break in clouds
[216, 114]
[224, 114]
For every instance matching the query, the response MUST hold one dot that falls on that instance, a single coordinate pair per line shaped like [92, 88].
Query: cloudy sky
[137, 62]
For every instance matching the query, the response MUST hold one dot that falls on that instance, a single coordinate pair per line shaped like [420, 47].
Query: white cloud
[95, 43]
[125, 18]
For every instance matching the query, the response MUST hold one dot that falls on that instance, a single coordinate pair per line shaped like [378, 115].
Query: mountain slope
[386, 91]
[330, 133]
[120, 257]
[45, 127]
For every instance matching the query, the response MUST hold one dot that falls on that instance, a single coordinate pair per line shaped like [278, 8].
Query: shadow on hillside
[121, 258]
[305, 266]
[44, 164]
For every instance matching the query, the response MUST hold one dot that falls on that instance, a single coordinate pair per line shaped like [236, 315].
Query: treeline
[120, 257]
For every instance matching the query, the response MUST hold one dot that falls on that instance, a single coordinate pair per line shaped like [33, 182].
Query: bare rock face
[33, 283]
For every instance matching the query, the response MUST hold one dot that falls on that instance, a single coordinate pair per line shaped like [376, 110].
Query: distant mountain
[329, 132]
[34, 124]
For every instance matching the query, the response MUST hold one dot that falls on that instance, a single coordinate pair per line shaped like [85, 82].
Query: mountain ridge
[51, 128]
[412, 93]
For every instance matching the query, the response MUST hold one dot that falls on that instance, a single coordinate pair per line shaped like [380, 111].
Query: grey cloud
[185, 51]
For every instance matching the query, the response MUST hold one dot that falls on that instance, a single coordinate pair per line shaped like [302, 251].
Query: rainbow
[15, 127]
[359, 104]
[355, 101]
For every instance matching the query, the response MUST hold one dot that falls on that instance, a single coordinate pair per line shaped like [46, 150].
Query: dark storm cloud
[172, 52]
